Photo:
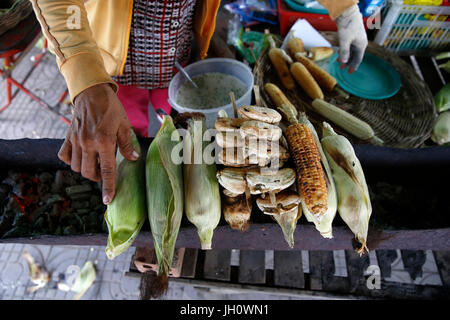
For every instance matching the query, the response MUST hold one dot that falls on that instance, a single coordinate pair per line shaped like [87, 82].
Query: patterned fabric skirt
[161, 33]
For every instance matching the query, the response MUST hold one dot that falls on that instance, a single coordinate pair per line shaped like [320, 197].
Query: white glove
[352, 38]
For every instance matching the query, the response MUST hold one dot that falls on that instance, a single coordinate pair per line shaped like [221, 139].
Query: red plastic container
[320, 22]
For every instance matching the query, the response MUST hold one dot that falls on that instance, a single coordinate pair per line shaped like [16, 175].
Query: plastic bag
[249, 44]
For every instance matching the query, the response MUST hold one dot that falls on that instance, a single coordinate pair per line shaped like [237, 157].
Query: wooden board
[252, 267]
[443, 263]
[189, 263]
[413, 261]
[356, 266]
[385, 259]
[315, 269]
[330, 282]
[288, 269]
[266, 236]
[217, 265]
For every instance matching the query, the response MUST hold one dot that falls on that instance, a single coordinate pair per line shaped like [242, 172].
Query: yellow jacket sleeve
[205, 23]
[337, 7]
[66, 27]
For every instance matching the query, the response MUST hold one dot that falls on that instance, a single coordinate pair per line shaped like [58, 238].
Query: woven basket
[9, 18]
[403, 121]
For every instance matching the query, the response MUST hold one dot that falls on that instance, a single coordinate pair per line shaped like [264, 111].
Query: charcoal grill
[406, 228]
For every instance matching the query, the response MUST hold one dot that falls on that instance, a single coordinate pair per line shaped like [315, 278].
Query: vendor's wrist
[350, 11]
[97, 89]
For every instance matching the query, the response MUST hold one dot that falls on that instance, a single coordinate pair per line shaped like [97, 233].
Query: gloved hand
[352, 38]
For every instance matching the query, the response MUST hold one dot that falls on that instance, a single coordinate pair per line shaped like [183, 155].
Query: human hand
[352, 38]
[99, 121]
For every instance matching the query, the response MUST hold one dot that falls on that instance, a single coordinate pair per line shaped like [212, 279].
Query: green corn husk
[126, 214]
[354, 204]
[442, 99]
[201, 188]
[164, 180]
[441, 129]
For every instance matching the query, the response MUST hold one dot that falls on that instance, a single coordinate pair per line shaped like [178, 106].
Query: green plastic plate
[375, 78]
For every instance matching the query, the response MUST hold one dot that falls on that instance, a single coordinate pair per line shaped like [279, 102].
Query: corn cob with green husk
[354, 205]
[164, 178]
[126, 214]
[201, 188]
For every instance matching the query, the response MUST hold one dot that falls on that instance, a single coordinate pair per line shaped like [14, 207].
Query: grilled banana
[229, 124]
[260, 129]
[260, 113]
[229, 140]
[286, 201]
[266, 181]
[232, 179]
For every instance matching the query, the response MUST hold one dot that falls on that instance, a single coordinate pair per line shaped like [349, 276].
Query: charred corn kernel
[354, 205]
[280, 100]
[441, 129]
[325, 80]
[306, 81]
[310, 175]
[237, 211]
[294, 45]
[201, 189]
[165, 199]
[321, 53]
[346, 121]
[126, 214]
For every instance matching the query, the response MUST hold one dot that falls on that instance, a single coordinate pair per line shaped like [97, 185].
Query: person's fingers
[65, 152]
[124, 142]
[89, 166]
[357, 56]
[344, 50]
[76, 156]
[108, 173]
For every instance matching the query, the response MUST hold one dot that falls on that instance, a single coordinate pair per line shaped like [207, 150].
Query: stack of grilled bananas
[253, 152]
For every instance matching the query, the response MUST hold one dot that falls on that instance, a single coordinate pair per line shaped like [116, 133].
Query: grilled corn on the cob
[324, 223]
[354, 204]
[310, 175]
[126, 214]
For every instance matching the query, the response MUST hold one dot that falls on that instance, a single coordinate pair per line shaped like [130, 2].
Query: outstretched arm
[99, 119]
